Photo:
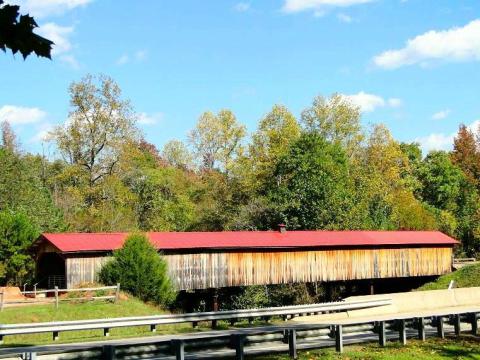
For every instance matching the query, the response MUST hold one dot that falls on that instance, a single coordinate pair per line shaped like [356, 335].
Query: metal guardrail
[56, 298]
[396, 324]
[106, 324]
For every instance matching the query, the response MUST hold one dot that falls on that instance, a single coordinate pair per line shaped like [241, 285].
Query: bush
[140, 270]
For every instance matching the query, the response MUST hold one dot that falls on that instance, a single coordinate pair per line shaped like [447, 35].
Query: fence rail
[56, 296]
[386, 327]
[106, 324]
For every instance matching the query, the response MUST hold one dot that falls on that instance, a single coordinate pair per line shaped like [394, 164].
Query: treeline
[322, 170]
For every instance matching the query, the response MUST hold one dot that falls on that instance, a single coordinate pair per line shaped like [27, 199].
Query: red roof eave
[103, 242]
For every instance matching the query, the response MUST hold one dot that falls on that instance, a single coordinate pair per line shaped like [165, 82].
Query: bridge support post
[382, 339]
[292, 343]
[108, 352]
[440, 329]
[456, 324]
[402, 332]
[178, 348]
[238, 343]
[421, 328]
[339, 338]
[474, 321]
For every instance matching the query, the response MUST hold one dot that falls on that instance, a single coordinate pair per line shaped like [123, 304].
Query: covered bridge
[203, 260]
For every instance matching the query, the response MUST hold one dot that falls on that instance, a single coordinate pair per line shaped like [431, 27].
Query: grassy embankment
[128, 306]
[67, 311]
[468, 276]
[465, 348]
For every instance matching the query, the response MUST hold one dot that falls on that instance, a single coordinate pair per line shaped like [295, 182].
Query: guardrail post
[292, 343]
[474, 321]
[178, 348]
[2, 300]
[55, 336]
[339, 338]
[456, 324]
[421, 328]
[440, 329]
[108, 352]
[106, 332]
[194, 324]
[56, 297]
[153, 328]
[238, 342]
[1, 339]
[402, 332]
[381, 333]
[117, 293]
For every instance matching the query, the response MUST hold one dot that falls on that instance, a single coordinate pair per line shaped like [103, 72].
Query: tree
[336, 119]
[100, 124]
[17, 234]
[9, 139]
[441, 181]
[23, 189]
[216, 140]
[176, 153]
[311, 188]
[466, 154]
[16, 33]
[276, 131]
[140, 270]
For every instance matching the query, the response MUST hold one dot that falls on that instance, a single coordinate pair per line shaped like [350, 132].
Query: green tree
[276, 132]
[100, 124]
[16, 33]
[176, 153]
[23, 189]
[441, 181]
[216, 140]
[336, 119]
[140, 270]
[17, 234]
[311, 187]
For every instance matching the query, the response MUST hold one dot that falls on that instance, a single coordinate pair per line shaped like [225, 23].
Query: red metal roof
[80, 242]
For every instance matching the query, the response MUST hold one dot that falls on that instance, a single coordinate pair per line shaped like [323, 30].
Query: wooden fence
[32, 297]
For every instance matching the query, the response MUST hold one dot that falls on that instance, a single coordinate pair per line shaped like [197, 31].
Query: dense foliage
[320, 171]
[139, 270]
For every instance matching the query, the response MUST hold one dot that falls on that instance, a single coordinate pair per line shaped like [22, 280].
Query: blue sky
[411, 64]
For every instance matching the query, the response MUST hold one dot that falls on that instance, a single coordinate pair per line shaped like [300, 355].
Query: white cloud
[18, 115]
[241, 7]
[456, 44]
[149, 119]
[442, 141]
[43, 133]
[370, 102]
[138, 56]
[59, 35]
[45, 8]
[344, 18]
[292, 6]
[122, 60]
[442, 114]
[395, 102]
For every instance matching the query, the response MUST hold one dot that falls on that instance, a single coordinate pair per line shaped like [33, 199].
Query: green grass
[81, 311]
[68, 311]
[468, 276]
[465, 348]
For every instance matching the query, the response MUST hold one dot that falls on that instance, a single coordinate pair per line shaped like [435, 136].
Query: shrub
[140, 270]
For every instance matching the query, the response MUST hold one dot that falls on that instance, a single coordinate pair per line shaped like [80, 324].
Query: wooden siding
[83, 269]
[222, 269]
